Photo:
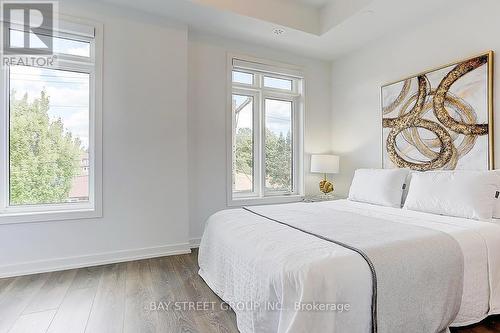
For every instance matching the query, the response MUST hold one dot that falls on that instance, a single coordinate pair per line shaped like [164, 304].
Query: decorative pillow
[378, 186]
[468, 194]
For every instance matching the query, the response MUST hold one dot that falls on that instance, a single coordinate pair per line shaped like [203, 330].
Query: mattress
[232, 243]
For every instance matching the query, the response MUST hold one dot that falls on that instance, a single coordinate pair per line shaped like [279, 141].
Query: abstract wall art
[441, 119]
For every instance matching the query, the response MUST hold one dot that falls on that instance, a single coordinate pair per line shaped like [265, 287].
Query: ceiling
[313, 3]
[323, 29]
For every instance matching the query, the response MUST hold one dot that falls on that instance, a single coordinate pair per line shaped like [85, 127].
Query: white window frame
[66, 211]
[262, 68]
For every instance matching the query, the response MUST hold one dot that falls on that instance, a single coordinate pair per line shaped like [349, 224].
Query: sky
[68, 91]
[68, 95]
[60, 45]
[278, 115]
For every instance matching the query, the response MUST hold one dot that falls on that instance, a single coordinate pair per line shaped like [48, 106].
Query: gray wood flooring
[126, 297]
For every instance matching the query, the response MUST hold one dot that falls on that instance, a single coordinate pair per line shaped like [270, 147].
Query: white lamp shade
[324, 164]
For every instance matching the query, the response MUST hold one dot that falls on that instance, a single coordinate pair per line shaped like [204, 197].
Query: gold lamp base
[325, 186]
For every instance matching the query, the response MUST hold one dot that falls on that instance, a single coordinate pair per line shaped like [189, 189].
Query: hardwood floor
[489, 325]
[127, 297]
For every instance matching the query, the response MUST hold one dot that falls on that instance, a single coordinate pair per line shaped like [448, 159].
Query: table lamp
[325, 164]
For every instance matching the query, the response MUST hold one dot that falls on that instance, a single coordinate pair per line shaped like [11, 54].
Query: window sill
[265, 201]
[47, 216]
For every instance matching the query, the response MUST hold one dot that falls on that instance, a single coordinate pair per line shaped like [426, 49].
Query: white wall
[468, 29]
[157, 185]
[207, 120]
[145, 154]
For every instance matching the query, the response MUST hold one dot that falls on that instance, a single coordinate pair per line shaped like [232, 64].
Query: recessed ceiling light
[278, 31]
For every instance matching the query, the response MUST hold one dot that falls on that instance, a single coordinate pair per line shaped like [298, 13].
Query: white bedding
[233, 240]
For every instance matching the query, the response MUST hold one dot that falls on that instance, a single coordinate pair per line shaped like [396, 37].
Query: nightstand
[321, 197]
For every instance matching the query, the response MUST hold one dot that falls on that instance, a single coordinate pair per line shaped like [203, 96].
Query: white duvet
[321, 271]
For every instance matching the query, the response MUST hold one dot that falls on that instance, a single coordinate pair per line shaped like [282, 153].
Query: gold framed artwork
[441, 119]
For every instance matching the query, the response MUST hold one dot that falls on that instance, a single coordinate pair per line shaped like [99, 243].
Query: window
[242, 77]
[50, 162]
[266, 105]
[61, 45]
[276, 83]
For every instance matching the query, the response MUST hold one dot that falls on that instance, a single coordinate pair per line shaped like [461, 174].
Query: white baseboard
[60, 264]
[194, 243]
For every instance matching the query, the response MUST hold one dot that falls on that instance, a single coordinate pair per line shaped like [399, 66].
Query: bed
[281, 270]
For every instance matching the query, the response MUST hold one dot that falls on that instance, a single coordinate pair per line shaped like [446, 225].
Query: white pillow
[378, 186]
[468, 194]
[496, 210]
